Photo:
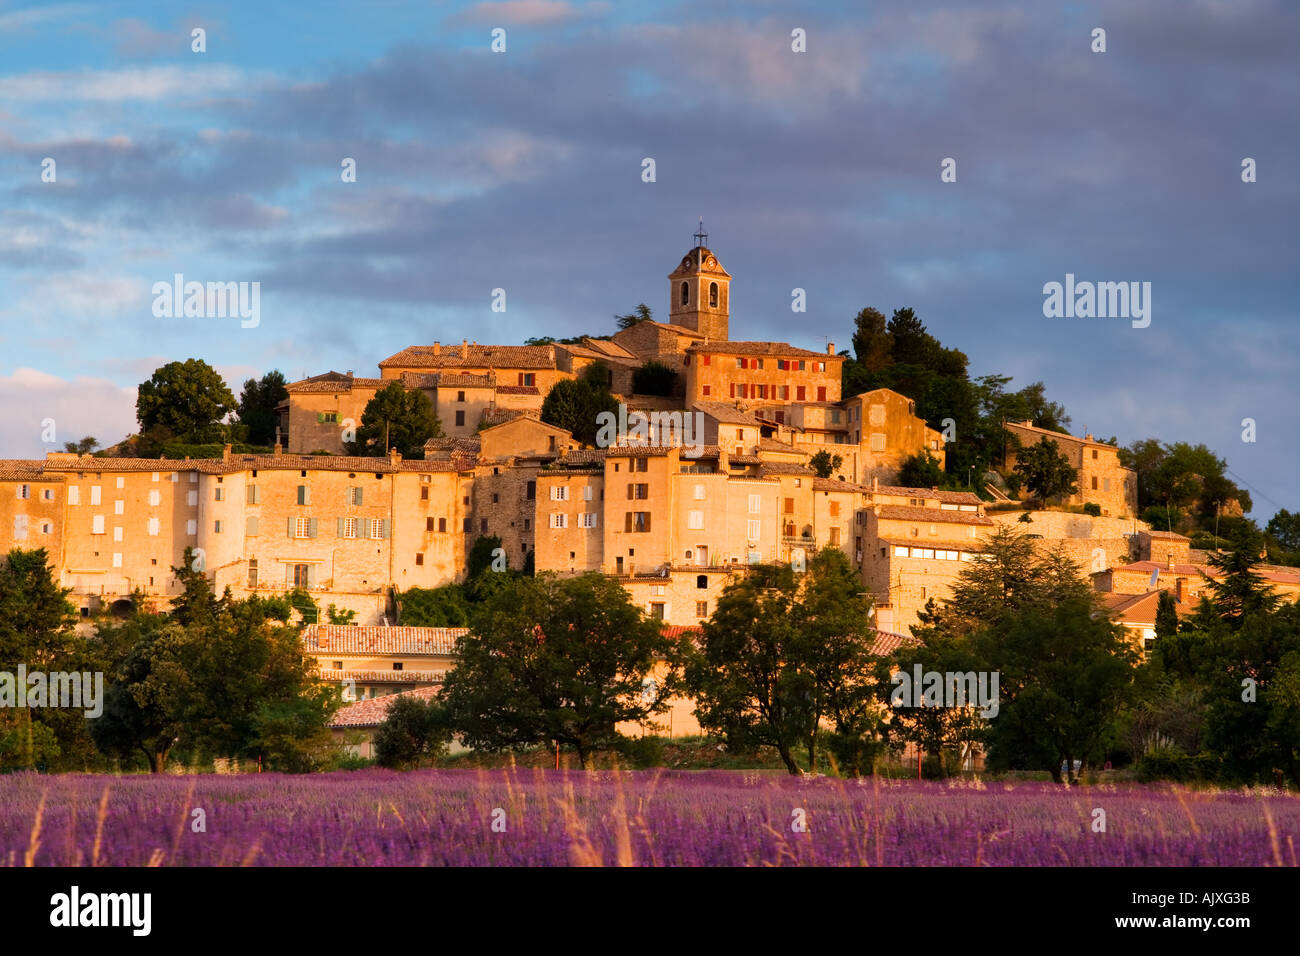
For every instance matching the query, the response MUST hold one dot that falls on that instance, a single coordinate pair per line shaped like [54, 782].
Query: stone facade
[1102, 479]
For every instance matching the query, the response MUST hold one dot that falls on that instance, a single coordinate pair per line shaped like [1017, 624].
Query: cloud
[78, 407]
[147, 84]
[526, 13]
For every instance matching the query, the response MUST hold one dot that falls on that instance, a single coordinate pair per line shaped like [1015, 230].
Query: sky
[522, 170]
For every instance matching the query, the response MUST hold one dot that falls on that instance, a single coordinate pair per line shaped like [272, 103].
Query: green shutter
[360, 496]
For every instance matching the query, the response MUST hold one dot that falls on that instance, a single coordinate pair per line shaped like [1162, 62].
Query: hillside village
[671, 520]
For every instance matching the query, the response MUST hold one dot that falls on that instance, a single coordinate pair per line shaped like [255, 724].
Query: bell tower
[699, 290]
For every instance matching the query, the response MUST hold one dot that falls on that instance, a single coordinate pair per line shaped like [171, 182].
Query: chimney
[276, 450]
[1088, 437]
[875, 482]
[830, 348]
[464, 350]
[225, 452]
[394, 456]
[437, 348]
[1169, 560]
[1178, 591]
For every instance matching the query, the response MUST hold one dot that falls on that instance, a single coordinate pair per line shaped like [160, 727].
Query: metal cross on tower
[701, 237]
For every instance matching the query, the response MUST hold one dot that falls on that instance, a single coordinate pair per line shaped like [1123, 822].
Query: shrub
[1091, 508]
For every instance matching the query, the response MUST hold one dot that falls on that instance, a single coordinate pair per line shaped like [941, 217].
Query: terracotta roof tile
[371, 712]
[931, 515]
[946, 497]
[727, 414]
[479, 356]
[378, 639]
[779, 349]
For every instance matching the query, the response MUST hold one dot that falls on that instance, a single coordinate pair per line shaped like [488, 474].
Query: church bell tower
[700, 292]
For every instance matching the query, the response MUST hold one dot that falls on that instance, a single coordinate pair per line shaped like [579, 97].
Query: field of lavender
[547, 817]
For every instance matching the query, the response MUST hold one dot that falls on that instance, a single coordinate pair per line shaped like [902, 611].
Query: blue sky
[522, 170]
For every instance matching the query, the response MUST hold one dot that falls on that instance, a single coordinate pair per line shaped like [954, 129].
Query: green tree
[257, 406]
[921, 471]
[1047, 471]
[556, 659]
[1066, 676]
[446, 606]
[654, 378]
[641, 313]
[824, 464]
[181, 398]
[86, 446]
[871, 341]
[413, 731]
[1235, 588]
[576, 404]
[785, 651]
[1166, 615]
[396, 418]
[1284, 528]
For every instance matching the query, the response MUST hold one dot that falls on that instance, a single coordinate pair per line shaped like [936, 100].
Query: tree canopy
[399, 418]
[257, 406]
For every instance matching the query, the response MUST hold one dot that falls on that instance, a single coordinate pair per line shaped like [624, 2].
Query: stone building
[1102, 479]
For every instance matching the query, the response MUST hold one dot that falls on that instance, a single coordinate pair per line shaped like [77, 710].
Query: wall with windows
[783, 374]
[316, 418]
[570, 517]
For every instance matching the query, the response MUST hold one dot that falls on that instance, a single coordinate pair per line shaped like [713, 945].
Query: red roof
[373, 711]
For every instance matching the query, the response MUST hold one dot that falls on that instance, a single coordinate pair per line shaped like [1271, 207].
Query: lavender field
[502, 818]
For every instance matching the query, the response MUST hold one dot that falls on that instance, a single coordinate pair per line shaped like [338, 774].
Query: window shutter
[384, 527]
[358, 496]
[311, 527]
[288, 576]
[290, 532]
[311, 573]
[252, 525]
[338, 528]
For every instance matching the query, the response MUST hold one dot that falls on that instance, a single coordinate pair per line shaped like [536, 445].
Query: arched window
[686, 294]
[713, 295]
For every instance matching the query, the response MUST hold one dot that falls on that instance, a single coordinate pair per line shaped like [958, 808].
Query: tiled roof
[785, 468]
[771, 444]
[675, 329]
[461, 446]
[334, 382]
[371, 712]
[931, 515]
[376, 639]
[25, 469]
[745, 460]
[728, 414]
[962, 544]
[946, 497]
[492, 356]
[518, 390]
[834, 484]
[1056, 436]
[1166, 536]
[781, 349]
[886, 642]
[497, 415]
[1275, 574]
[678, 631]
[1139, 608]
[447, 380]
[607, 347]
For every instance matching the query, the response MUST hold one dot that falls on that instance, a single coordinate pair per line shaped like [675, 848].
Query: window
[641, 464]
[94, 494]
[699, 492]
[701, 608]
[302, 527]
[657, 610]
[900, 552]
[559, 520]
[460, 396]
[191, 527]
[877, 441]
[701, 581]
[97, 524]
[117, 559]
[153, 527]
[740, 363]
[755, 504]
[561, 493]
[685, 293]
[527, 379]
[1094, 454]
[754, 530]
[355, 497]
[587, 519]
[1105, 484]
[744, 390]
[216, 527]
[20, 527]
[302, 576]
[695, 520]
[708, 389]
[119, 506]
[708, 360]
[419, 557]
[304, 495]
[713, 300]
[1094, 482]
[24, 491]
[636, 521]
[821, 393]
[254, 495]
[785, 395]
[460, 417]
[586, 492]
[251, 526]
[835, 536]
[531, 490]
[378, 528]
[638, 492]
[789, 507]
[347, 527]
[74, 495]
[252, 574]
[835, 509]
[117, 534]
[442, 524]
[800, 393]
[217, 494]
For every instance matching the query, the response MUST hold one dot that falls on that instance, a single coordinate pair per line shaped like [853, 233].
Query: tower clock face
[712, 261]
